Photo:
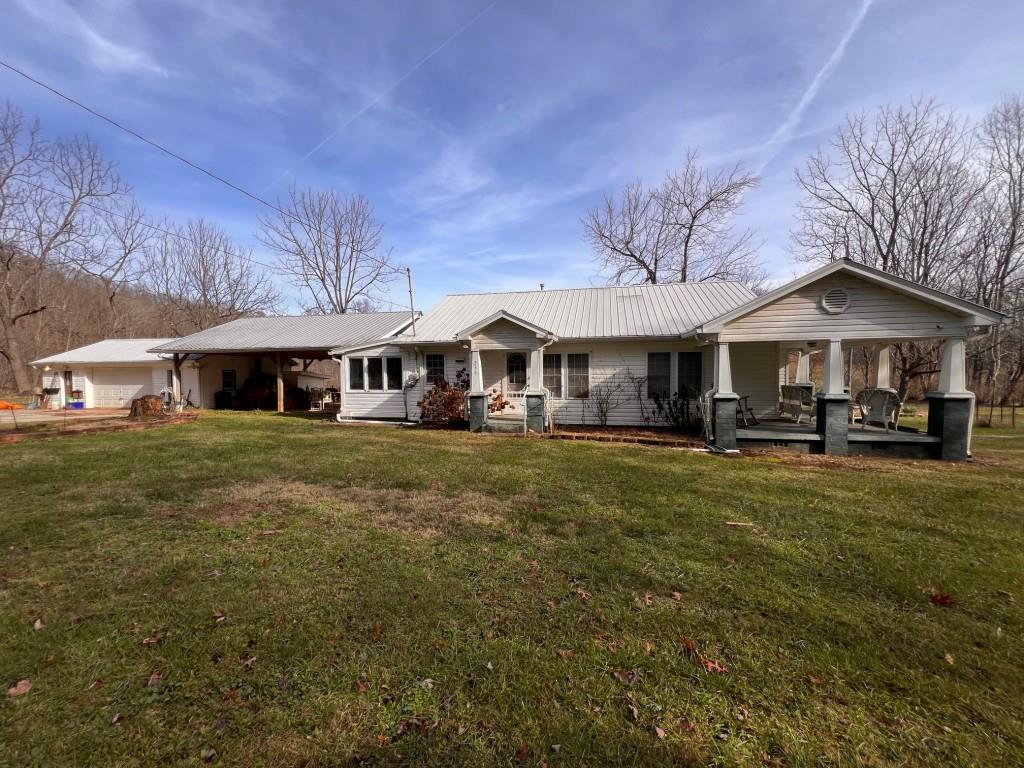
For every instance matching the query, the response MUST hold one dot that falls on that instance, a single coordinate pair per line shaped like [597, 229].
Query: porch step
[504, 423]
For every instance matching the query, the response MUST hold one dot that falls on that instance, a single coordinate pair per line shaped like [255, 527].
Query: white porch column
[536, 377]
[803, 368]
[476, 371]
[723, 369]
[342, 387]
[953, 376]
[834, 368]
[881, 366]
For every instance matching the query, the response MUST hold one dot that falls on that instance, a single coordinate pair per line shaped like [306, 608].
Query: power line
[176, 156]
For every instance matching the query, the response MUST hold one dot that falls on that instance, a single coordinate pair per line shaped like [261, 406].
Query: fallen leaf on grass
[248, 660]
[270, 532]
[208, 754]
[522, 752]
[633, 711]
[648, 647]
[582, 593]
[116, 719]
[659, 732]
[814, 680]
[20, 688]
[677, 596]
[362, 686]
[949, 659]
[218, 617]
[648, 599]
[937, 596]
[426, 683]
[710, 665]
[565, 654]
[153, 639]
[38, 624]
[631, 676]
[154, 679]
[265, 562]
[376, 631]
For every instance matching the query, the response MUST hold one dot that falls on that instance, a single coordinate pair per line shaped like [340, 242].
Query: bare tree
[200, 278]
[331, 247]
[898, 190]
[630, 237]
[702, 207]
[998, 275]
[680, 231]
[55, 203]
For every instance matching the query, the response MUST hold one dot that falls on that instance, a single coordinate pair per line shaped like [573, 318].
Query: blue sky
[481, 131]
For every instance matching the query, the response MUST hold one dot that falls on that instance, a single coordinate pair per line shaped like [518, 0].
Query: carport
[290, 344]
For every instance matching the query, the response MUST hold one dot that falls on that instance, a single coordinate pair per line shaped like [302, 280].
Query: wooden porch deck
[788, 431]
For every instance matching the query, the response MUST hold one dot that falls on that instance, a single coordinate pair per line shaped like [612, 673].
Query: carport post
[280, 385]
[176, 382]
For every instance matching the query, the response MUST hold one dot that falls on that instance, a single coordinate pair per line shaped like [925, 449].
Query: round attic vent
[835, 300]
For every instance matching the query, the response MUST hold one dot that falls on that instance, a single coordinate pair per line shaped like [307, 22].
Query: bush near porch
[252, 589]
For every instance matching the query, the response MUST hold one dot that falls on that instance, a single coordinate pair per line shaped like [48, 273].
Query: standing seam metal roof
[110, 351]
[589, 313]
[295, 332]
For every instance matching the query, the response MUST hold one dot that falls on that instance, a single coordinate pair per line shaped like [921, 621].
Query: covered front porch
[833, 418]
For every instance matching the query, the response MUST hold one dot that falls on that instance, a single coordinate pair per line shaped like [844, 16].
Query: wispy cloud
[784, 132]
[102, 52]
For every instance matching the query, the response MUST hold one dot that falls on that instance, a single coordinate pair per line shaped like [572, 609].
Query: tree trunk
[12, 351]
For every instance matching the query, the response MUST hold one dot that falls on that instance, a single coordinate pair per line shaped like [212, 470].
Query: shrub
[444, 404]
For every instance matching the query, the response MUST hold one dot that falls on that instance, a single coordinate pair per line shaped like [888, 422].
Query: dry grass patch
[243, 502]
[428, 514]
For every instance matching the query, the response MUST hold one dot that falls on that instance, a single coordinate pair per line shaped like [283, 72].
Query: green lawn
[253, 589]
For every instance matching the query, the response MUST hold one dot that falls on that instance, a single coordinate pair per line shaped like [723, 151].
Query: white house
[538, 359]
[603, 355]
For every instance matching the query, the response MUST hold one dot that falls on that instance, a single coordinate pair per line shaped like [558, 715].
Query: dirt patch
[428, 514]
[825, 462]
[423, 514]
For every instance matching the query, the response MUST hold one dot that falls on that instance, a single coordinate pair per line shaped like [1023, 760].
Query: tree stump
[147, 407]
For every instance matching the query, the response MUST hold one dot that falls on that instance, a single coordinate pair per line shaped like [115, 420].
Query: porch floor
[787, 430]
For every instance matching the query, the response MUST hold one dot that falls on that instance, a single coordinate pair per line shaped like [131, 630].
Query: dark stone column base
[477, 411]
[833, 420]
[535, 411]
[724, 422]
[949, 418]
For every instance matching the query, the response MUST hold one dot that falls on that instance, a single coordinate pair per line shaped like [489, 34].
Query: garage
[117, 387]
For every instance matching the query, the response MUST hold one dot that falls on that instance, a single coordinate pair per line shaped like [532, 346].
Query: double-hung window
[690, 374]
[553, 375]
[435, 368]
[578, 375]
[228, 379]
[355, 373]
[659, 374]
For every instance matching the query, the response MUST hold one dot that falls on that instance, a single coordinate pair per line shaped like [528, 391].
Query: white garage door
[117, 387]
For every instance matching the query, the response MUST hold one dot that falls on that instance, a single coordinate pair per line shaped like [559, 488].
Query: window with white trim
[659, 374]
[578, 374]
[435, 368]
[553, 375]
[375, 374]
[355, 373]
[691, 374]
[394, 373]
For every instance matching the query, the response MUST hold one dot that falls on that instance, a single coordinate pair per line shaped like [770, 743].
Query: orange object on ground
[6, 406]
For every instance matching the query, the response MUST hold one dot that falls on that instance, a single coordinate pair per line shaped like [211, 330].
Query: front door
[515, 374]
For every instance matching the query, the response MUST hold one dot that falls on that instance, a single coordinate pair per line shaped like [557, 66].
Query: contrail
[785, 131]
[389, 89]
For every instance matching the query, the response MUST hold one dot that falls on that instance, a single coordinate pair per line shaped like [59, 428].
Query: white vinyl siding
[874, 312]
[755, 374]
[504, 334]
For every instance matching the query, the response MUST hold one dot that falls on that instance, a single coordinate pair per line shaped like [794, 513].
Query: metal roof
[110, 351]
[284, 333]
[636, 311]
